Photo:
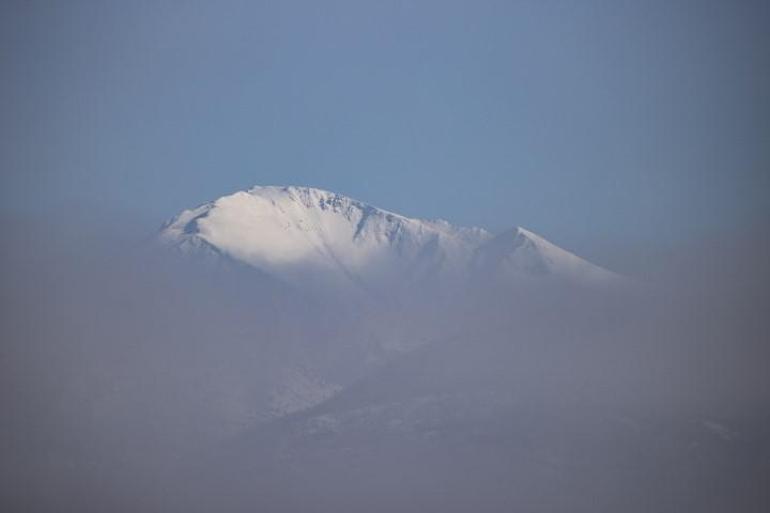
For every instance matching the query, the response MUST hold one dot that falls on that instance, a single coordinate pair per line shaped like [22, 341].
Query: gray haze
[134, 380]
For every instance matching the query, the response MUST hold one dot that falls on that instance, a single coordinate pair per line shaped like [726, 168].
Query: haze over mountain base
[144, 380]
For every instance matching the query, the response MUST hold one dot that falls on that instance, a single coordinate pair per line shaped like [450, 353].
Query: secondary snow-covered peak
[519, 252]
[303, 234]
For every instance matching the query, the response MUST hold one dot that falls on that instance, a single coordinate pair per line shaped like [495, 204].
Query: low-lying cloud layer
[133, 380]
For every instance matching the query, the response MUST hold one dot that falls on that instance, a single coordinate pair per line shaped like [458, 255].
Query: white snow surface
[307, 235]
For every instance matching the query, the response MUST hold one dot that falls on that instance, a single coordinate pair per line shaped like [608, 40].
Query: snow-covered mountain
[311, 236]
[396, 282]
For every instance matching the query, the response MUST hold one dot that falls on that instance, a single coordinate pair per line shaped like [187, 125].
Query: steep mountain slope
[310, 236]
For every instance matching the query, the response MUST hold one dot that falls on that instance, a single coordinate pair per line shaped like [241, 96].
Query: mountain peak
[306, 235]
[308, 195]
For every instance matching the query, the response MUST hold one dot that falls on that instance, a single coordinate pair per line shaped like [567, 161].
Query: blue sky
[594, 123]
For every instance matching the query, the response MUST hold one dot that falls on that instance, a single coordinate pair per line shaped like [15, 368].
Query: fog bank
[135, 380]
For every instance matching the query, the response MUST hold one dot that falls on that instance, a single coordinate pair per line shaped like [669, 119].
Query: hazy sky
[593, 123]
